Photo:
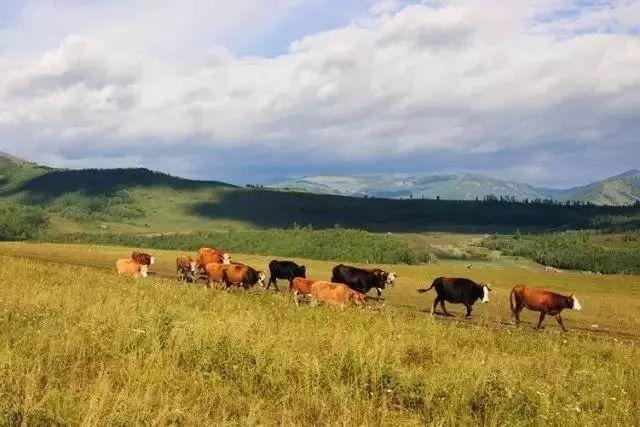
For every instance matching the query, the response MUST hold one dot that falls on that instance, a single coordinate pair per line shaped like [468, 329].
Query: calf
[143, 258]
[242, 275]
[186, 269]
[287, 270]
[129, 267]
[335, 294]
[360, 279]
[457, 291]
[546, 302]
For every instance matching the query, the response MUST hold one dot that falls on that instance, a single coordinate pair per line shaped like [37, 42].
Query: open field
[81, 345]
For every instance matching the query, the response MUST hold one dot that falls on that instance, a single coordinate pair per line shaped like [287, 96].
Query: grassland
[576, 250]
[83, 346]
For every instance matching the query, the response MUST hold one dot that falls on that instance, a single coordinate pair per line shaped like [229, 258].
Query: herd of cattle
[348, 285]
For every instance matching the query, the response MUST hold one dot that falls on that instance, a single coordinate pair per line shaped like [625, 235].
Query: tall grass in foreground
[336, 244]
[79, 345]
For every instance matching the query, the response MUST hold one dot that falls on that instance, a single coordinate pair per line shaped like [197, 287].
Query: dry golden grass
[80, 345]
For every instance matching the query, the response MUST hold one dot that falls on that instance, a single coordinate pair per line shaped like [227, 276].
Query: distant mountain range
[622, 189]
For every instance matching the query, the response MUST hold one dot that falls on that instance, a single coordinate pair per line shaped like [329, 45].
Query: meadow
[589, 250]
[81, 345]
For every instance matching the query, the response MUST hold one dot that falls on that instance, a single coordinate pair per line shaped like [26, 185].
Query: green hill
[143, 201]
[618, 190]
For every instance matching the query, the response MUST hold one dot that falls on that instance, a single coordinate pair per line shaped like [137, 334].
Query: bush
[570, 250]
[337, 244]
[19, 222]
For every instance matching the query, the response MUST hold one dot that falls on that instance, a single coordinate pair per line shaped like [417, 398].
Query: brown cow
[242, 275]
[300, 286]
[127, 266]
[546, 302]
[215, 273]
[209, 255]
[143, 258]
[186, 269]
[335, 294]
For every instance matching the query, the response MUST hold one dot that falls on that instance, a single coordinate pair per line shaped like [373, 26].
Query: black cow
[457, 291]
[360, 279]
[287, 270]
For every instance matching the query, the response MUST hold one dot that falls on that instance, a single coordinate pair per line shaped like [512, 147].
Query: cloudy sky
[539, 91]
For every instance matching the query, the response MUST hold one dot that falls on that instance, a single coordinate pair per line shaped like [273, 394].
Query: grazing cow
[300, 286]
[129, 267]
[360, 279]
[457, 291]
[186, 269]
[335, 294]
[242, 275]
[143, 258]
[287, 270]
[215, 273]
[546, 302]
[209, 255]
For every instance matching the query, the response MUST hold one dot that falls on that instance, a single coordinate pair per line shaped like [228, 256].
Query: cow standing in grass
[208, 255]
[143, 258]
[186, 269]
[129, 267]
[543, 301]
[360, 279]
[287, 270]
[457, 291]
[335, 294]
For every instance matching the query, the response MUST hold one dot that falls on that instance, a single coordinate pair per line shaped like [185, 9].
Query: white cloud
[404, 80]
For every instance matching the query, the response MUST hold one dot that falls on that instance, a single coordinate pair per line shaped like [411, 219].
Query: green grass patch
[574, 250]
[336, 243]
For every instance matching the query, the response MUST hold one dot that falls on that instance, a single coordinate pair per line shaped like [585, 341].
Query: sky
[545, 92]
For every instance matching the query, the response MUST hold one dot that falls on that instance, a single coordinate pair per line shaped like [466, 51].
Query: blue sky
[539, 91]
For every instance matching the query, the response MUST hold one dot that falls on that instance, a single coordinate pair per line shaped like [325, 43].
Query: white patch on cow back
[485, 293]
[576, 304]
[143, 270]
[152, 260]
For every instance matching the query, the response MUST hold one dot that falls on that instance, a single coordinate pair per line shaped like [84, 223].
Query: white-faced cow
[287, 270]
[361, 279]
[143, 258]
[186, 269]
[457, 291]
[546, 302]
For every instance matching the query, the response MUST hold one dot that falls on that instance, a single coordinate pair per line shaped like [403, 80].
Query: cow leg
[516, 312]
[468, 310]
[444, 309]
[559, 319]
[542, 314]
[435, 303]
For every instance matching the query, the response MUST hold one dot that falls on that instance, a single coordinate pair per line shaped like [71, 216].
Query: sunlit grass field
[80, 345]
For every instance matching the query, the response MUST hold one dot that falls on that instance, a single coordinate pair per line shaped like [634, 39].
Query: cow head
[261, 277]
[358, 298]
[192, 266]
[486, 288]
[226, 259]
[302, 272]
[575, 304]
[391, 278]
[144, 269]
[152, 260]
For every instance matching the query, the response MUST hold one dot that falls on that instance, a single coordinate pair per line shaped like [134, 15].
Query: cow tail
[423, 290]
